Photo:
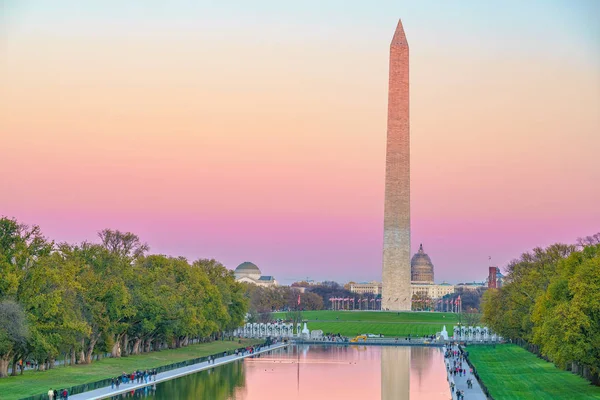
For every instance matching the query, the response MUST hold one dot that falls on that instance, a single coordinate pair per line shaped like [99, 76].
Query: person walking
[65, 394]
[51, 394]
[112, 383]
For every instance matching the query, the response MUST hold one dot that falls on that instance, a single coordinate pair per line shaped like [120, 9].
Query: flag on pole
[298, 299]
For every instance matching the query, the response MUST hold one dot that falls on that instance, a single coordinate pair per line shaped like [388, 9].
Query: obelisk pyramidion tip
[399, 38]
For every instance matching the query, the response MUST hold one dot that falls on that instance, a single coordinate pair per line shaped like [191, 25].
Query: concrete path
[460, 382]
[167, 375]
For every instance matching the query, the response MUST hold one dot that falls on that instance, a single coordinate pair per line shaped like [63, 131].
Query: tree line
[550, 302]
[61, 301]
[265, 300]
[300, 296]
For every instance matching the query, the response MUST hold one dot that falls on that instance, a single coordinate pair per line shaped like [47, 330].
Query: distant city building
[373, 287]
[421, 267]
[495, 278]
[249, 273]
[306, 283]
[472, 286]
[431, 290]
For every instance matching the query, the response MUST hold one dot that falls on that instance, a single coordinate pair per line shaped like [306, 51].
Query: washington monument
[396, 225]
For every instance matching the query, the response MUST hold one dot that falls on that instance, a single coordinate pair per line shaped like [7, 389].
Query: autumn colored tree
[551, 301]
[76, 301]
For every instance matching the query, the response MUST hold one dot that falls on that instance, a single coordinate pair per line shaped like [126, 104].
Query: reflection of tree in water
[218, 383]
[421, 358]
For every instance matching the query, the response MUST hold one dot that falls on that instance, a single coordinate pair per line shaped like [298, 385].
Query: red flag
[298, 299]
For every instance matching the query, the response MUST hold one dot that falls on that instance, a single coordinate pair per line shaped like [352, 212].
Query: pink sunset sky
[256, 131]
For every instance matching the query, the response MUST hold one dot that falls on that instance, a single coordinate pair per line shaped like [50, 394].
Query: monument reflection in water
[318, 372]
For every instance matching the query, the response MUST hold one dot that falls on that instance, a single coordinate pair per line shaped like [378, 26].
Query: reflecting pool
[317, 372]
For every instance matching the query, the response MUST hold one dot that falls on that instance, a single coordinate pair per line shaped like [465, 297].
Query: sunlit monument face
[396, 242]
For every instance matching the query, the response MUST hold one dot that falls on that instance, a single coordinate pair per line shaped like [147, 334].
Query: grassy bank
[510, 372]
[351, 323]
[35, 382]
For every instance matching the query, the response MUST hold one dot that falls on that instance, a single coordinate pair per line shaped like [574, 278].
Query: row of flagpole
[442, 305]
[351, 303]
[450, 305]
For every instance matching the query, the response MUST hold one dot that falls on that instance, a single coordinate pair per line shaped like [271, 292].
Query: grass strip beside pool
[37, 382]
[390, 324]
[511, 372]
[377, 316]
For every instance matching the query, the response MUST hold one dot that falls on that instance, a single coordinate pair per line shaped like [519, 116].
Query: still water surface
[317, 372]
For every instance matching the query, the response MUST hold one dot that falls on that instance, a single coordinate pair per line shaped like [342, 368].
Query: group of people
[135, 377]
[54, 394]
[454, 365]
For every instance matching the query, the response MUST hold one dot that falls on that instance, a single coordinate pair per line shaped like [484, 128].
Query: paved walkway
[167, 375]
[460, 382]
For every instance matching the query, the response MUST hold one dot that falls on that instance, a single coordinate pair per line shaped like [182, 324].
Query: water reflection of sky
[319, 372]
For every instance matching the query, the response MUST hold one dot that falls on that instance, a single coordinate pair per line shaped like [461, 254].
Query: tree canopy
[79, 300]
[551, 300]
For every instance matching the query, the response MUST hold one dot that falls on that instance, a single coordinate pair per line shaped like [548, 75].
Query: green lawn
[351, 323]
[510, 372]
[33, 383]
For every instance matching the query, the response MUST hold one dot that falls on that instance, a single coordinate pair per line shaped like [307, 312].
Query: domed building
[421, 268]
[248, 272]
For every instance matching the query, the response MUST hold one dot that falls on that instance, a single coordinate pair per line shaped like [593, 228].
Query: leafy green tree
[75, 301]
[49, 293]
[20, 245]
[567, 317]
[551, 301]
[13, 332]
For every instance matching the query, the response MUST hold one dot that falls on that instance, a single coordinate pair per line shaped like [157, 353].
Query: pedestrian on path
[51, 394]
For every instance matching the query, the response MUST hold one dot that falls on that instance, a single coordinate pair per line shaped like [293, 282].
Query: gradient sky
[255, 130]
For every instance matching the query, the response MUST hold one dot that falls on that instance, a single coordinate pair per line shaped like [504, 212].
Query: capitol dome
[421, 267]
[247, 269]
